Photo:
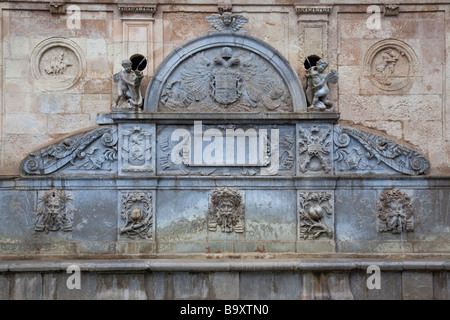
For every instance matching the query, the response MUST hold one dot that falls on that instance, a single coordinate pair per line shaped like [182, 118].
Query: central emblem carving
[225, 78]
[225, 81]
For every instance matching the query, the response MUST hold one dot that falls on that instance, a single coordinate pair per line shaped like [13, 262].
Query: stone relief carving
[314, 148]
[271, 149]
[226, 79]
[227, 22]
[390, 64]
[395, 212]
[361, 151]
[137, 215]
[128, 86]
[55, 211]
[137, 8]
[57, 64]
[136, 148]
[92, 150]
[391, 10]
[317, 86]
[226, 210]
[313, 209]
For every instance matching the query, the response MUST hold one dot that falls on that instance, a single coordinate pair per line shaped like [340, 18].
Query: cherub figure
[317, 88]
[128, 87]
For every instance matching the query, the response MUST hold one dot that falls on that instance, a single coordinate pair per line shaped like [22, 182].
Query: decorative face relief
[315, 208]
[137, 215]
[57, 64]
[390, 64]
[226, 210]
[395, 212]
[225, 80]
[314, 148]
[227, 22]
[55, 211]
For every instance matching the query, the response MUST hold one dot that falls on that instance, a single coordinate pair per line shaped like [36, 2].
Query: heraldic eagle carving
[226, 80]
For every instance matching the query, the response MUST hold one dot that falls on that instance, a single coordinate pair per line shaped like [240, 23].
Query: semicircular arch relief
[225, 72]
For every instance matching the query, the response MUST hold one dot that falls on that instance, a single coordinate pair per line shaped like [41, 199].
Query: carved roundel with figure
[57, 64]
[390, 64]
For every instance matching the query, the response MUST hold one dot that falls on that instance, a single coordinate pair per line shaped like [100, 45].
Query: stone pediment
[225, 72]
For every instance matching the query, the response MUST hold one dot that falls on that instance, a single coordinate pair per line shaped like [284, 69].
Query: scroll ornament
[92, 150]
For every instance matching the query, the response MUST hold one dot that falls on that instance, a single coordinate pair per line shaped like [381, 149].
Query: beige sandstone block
[15, 102]
[393, 129]
[20, 47]
[59, 103]
[68, 123]
[349, 78]
[16, 68]
[427, 137]
[25, 123]
[96, 103]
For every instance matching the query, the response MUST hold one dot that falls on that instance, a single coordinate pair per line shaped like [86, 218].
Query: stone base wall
[262, 279]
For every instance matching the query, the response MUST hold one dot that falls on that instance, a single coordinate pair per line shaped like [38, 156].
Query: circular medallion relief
[390, 64]
[57, 64]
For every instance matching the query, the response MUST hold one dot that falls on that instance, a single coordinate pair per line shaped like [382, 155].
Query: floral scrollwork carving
[137, 214]
[92, 150]
[313, 209]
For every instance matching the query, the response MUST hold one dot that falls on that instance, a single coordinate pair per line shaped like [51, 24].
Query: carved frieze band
[305, 149]
[94, 150]
[138, 8]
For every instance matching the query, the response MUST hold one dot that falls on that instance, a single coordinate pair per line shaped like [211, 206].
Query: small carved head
[227, 18]
[321, 65]
[126, 64]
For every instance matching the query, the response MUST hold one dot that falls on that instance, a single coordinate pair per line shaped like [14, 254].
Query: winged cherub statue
[227, 22]
[317, 87]
[128, 87]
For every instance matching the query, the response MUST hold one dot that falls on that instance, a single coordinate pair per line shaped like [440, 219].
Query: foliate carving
[137, 148]
[395, 212]
[57, 64]
[227, 22]
[390, 64]
[226, 79]
[55, 211]
[391, 10]
[357, 150]
[317, 88]
[314, 207]
[137, 215]
[92, 150]
[226, 210]
[314, 148]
